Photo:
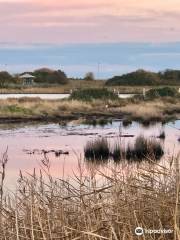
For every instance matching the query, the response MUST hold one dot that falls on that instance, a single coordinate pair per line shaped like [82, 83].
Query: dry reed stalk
[88, 209]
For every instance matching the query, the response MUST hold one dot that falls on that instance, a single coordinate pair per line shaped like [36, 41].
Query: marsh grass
[102, 107]
[84, 209]
[142, 149]
[98, 149]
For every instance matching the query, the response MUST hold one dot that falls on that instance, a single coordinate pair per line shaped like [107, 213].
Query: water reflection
[72, 139]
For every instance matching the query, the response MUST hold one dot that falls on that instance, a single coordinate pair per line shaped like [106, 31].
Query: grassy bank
[53, 88]
[81, 208]
[26, 108]
[158, 105]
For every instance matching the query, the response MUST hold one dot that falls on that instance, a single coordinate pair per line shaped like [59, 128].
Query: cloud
[89, 21]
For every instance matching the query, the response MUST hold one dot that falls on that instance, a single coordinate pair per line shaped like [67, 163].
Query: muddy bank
[90, 118]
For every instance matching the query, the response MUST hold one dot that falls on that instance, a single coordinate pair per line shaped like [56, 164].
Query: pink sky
[82, 21]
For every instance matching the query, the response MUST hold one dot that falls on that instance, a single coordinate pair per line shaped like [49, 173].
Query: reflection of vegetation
[126, 122]
[143, 148]
[97, 121]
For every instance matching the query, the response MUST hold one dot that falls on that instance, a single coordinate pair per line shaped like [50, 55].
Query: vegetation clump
[126, 122]
[162, 135]
[98, 149]
[97, 121]
[92, 205]
[146, 78]
[50, 76]
[144, 148]
[93, 94]
[89, 76]
[162, 92]
[5, 79]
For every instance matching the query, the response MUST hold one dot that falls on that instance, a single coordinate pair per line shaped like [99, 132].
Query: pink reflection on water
[73, 139]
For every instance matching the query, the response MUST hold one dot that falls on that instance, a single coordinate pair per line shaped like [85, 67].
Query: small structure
[28, 79]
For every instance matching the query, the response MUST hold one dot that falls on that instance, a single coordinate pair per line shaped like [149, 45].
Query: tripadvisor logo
[139, 231]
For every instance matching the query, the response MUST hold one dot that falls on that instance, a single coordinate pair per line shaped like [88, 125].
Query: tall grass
[97, 149]
[51, 209]
[142, 149]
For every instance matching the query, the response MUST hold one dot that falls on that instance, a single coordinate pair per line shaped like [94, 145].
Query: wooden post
[144, 92]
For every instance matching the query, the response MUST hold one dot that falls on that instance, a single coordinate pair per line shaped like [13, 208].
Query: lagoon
[72, 137]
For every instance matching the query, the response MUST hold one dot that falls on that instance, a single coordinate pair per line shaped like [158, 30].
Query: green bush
[162, 92]
[93, 93]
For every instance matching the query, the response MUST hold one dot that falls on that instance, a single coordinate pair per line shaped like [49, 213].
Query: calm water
[72, 138]
[49, 96]
[42, 96]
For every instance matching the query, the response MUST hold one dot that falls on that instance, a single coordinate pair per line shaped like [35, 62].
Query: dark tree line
[141, 77]
[43, 76]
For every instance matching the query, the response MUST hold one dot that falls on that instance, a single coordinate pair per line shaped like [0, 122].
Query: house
[27, 79]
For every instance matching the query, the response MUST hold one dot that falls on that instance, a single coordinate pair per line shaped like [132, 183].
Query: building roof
[26, 75]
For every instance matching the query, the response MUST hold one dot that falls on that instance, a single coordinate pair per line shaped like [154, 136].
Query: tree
[5, 78]
[89, 76]
[139, 77]
[50, 76]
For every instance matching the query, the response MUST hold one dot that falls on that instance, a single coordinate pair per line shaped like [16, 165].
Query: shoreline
[87, 117]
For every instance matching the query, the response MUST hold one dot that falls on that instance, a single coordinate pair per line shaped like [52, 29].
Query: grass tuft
[98, 149]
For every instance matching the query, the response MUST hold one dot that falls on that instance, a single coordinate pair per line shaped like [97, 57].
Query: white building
[28, 79]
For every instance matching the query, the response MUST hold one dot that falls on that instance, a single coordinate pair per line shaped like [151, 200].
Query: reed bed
[107, 204]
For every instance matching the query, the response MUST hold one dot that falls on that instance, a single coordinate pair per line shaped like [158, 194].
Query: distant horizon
[74, 77]
[104, 60]
[101, 36]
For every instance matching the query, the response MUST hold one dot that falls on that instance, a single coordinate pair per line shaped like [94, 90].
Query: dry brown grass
[37, 107]
[73, 84]
[156, 109]
[159, 109]
[84, 208]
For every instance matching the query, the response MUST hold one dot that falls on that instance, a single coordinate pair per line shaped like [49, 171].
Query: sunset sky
[77, 21]
[80, 22]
